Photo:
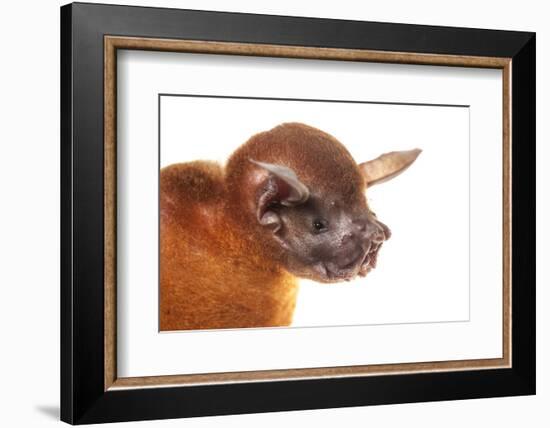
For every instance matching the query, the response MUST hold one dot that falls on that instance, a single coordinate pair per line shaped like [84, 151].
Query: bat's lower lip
[360, 265]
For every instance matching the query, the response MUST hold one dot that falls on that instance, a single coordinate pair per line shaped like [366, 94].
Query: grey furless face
[329, 241]
[326, 238]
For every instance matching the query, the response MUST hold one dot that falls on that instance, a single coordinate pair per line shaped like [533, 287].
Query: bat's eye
[319, 225]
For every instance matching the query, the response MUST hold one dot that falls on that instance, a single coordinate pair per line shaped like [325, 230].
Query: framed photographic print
[265, 213]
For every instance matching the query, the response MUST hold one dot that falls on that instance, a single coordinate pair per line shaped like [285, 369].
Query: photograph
[290, 203]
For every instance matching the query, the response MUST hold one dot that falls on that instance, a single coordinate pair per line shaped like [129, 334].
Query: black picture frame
[83, 396]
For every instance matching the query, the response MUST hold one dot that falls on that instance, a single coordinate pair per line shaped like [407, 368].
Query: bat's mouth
[360, 264]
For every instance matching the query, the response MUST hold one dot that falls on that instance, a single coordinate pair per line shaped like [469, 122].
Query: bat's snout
[358, 251]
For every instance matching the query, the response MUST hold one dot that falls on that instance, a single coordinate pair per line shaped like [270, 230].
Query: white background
[413, 299]
[29, 245]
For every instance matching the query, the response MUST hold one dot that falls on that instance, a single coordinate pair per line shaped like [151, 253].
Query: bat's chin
[356, 265]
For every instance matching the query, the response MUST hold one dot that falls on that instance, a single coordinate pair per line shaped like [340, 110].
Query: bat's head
[306, 195]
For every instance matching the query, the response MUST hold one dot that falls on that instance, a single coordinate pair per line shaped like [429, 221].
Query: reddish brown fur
[218, 270]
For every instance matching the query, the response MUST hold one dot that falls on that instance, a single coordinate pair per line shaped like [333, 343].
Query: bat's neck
[269, 298]
[259, 283]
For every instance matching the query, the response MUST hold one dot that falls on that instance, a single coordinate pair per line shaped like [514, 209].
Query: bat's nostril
[378, 238]
[386, 232]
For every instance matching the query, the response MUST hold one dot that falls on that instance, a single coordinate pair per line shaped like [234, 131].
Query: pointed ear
[387, 166]
[281, 187]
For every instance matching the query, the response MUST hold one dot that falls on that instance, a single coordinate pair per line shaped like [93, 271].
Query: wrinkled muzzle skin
[330, 241]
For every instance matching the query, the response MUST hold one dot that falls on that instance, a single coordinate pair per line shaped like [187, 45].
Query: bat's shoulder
[198, 181]
[191, 193]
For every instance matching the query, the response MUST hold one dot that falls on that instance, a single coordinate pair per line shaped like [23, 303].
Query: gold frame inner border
[113, 43]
